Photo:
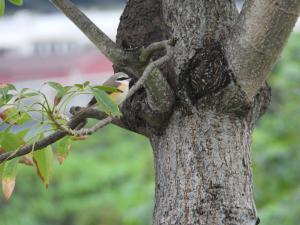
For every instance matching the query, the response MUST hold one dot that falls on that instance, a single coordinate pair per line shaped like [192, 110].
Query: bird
[120, 81]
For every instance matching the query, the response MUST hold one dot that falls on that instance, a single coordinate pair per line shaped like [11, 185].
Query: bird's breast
[118, 97]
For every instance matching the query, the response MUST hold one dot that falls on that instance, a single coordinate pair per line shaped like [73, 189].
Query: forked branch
[258, 38]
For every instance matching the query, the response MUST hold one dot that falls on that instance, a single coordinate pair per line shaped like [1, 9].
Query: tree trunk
[203, 170]
[202, 151]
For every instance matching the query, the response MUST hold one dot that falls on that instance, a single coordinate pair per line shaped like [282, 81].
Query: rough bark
[140, 25]
[203, 169]
[202, 150]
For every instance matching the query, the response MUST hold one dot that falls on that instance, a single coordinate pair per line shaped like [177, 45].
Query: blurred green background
[108, 179]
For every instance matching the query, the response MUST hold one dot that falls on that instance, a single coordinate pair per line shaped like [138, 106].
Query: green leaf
[2, 7]
[80, 86]
[30, 94]
[58, 97]
[43, 162]
[10, 141]
[9, 172]
[27, 93]
[22, 134]
[13, 116]
[11, 87]
[61, 91]
[67, 88]
[4, 88]
[63, 149]
[24, 90]
[57, 86]
[85, 84]
[2, 102]
[108, 89]
[105, 103]
[16, 2]
[5, 99]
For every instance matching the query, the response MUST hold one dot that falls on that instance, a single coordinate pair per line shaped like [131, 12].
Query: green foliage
[5, 96]
[61, 91]
[2, 5]
[102, 182]
[16, 2]
[43, 162]
[15, 110]
[277, 145]
[9, 173]
[14, 116]
[63, 149]
[8, 143]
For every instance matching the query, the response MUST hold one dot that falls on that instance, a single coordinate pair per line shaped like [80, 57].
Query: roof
[18, 68]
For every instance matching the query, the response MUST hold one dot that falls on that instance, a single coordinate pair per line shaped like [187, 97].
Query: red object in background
[16, 68]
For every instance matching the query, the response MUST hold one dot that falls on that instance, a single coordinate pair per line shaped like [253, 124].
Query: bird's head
[121, 77]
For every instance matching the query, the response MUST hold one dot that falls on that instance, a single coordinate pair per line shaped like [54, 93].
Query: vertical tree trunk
[203, 170]
[202, 152]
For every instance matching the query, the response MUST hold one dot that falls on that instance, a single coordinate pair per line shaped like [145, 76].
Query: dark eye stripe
[123, 78]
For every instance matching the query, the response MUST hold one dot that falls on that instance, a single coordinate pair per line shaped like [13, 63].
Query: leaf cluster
[20, 109]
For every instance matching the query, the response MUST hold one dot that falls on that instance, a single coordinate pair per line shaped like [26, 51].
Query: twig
[149, 69]
[52, 138]
[87, 131]
[147, 52]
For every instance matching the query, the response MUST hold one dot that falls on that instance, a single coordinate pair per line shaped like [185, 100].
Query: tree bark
[203, 170]
[202, 150]
[203, 174]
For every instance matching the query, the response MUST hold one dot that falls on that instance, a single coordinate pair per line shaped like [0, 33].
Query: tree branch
[258, 38]
[160, 96]
[148, 70]
[84, 131]
[147, 52]
[96, 36]
[52, 138]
